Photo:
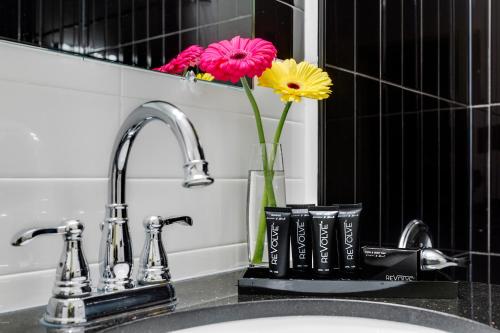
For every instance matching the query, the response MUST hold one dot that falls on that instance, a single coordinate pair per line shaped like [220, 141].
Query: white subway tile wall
[58, 118]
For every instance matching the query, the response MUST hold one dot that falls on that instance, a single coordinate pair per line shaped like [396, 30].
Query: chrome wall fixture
[416, 235]
[118, 294]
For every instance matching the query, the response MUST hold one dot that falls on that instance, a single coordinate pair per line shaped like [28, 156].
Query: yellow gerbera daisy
[293, 81]
[205, 76]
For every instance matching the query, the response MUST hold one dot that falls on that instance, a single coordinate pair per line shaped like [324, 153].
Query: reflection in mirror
[150, 33]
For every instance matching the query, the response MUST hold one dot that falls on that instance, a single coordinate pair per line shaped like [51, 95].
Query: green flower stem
[259, 248]
[277, 134]
[268, 197]
[262, 140]
[255, 108]
[258, 252]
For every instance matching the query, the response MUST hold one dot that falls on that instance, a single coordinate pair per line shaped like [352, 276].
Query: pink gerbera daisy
[188, 58]
[233, 59]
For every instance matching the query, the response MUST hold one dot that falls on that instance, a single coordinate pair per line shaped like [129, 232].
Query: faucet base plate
[100, 310]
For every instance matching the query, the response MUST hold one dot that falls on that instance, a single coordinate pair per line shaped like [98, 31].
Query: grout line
[105, 39]
[397, 85]
[93, 264]
[355, 104]
[471, 173]
[439, 121]
[198, 20]
[485, 253]
[380, 124]
[483, 105]
[121, 116]
[135, 42]
[421, 155]
[488, 183]
[119, 19]
[163, 15]
[471, 121]
[121, 95]
[105, 179]
[490, 299]
[148, 44]
[293, 7]
[470, 275]
[134, 48]
[469, 51]
[61, 87]
[61, 24]
[489, 144]
[451, 78]
[402, 39]
[421, 31]
[40, 23]
[421, 115]
[19, 17]
[489, 53]
[471, 140]
[402, 222]
[452, 182]
[179, 16]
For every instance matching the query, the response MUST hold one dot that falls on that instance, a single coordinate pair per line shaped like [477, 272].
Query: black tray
[257, 281]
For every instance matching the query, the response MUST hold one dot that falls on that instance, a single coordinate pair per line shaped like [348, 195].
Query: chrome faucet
[73, 302]
[116, 248]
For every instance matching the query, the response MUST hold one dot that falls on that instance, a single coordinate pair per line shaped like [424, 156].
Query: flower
[205, 76]
[187, 58]
[233, 59]
[293, 81]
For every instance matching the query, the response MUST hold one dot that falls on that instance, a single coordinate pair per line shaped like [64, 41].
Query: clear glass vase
[266, 188]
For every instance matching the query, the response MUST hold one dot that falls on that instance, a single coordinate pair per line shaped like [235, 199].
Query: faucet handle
[153, 266]
[73, 275]
[72, 228]
[157, 222]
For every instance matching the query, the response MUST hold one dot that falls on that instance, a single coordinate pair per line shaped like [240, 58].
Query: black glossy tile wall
[391, 40]
[495, 270]
[430, 163]
[430, 46]
[391, 183]
[134, 32]
[495, 51]
[479, 61]
[368, 177]
[278, 23]
[460, 60]
[340, 51]
[426, 94]
[479, 227]
[411, 43]
[368, 37]
[479, 268]
[495, 179]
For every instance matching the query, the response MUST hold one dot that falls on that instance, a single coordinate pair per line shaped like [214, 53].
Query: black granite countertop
[477, 301]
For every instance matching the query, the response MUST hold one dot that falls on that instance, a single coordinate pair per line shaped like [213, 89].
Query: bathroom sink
[295, 315]
[297, 324]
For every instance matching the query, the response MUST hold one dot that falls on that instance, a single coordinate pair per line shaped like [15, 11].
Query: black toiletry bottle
[301, 237]
[348, 238]
[278, 240]
[323, 220]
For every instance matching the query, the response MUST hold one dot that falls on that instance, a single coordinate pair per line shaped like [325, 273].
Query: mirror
[149, 33]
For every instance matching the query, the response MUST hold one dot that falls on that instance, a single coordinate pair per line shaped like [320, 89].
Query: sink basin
[298, 324]
[296, 315]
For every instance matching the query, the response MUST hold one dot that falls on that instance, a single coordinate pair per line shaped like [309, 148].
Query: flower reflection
[190, 57]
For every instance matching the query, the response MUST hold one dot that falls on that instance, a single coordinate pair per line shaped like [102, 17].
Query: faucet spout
[195, 166]
[116, 249]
